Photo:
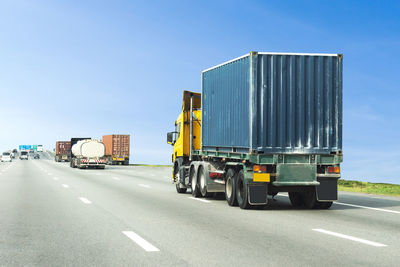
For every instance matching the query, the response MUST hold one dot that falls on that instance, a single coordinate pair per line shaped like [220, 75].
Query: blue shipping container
[273, 103]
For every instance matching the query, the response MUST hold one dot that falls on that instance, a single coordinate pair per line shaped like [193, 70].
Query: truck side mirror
[170, 138]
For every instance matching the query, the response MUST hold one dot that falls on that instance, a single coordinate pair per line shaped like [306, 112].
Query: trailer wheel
[203, 182]
[230, 187]
[296, 198]
[177, 181]
[242, 193]
[194, 183]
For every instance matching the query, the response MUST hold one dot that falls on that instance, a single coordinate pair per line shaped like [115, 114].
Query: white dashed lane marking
[201, 200]
[85, 200]
[140, 241]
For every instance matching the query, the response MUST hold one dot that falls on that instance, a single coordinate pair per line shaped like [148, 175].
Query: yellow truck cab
[185, 127]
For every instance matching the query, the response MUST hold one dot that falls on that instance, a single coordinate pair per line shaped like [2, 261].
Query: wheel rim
[193, 182]
[177, 178]
[202, 179]
[228, 187]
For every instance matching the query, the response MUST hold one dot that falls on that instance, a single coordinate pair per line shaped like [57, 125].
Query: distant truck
[117, 148]
[264, 123]
[63, 151]
[88, 153]
[73, 141]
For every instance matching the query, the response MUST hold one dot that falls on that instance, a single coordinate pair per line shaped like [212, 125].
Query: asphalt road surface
[52, 215]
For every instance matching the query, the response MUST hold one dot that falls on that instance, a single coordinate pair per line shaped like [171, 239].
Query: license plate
[261, 177]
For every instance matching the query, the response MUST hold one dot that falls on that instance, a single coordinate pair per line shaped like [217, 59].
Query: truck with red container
[117, 148]
[63, 151]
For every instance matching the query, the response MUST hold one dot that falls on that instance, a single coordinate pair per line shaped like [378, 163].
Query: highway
[53, 215]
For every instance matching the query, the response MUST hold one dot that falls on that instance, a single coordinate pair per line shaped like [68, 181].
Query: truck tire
[177, 181]
[297, 199]
[230, 187]
[242, 194]
[203, 182]
[194, 183]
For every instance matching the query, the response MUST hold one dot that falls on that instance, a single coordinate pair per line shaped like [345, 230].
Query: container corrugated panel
[117, 144]
[273, 103]
[63, 147]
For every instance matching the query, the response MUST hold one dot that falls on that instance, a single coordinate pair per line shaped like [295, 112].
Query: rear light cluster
[96, 160]
[260, 168]
[332, 169]
[214, 175]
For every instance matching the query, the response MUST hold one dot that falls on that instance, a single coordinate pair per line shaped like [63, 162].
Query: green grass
[148, 165]
[369, 188]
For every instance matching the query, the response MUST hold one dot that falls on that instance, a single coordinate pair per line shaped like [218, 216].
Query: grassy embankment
[369, 188]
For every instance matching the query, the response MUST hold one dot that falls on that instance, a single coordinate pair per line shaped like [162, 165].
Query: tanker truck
[264, 123]
[88, 154]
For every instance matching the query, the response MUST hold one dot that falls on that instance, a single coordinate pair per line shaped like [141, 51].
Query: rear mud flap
[258, 194]
[327, 189]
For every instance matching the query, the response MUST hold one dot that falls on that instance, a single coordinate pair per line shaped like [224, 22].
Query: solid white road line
[65, 185]
[116, 178]
[364, 207]
[358, 206]
[375, 244]
[85, 200]
[144, 185]
[202, 200]
[140, 241]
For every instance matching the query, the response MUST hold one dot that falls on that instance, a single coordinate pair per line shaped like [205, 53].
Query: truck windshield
[6, 154]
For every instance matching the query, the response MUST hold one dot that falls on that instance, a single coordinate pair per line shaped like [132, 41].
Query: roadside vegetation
[369, 188]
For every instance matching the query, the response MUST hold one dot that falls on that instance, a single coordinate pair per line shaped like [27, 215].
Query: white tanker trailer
[88, 154]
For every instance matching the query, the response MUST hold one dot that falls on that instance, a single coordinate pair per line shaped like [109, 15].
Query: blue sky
[88, 68]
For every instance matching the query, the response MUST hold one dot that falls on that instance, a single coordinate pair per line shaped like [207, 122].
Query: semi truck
[88, 154]
[63, 151]
[117, 148]
[263, 123]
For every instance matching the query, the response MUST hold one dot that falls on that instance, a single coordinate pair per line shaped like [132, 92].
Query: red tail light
[260, 168]
[331, 169]
[214, 175]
